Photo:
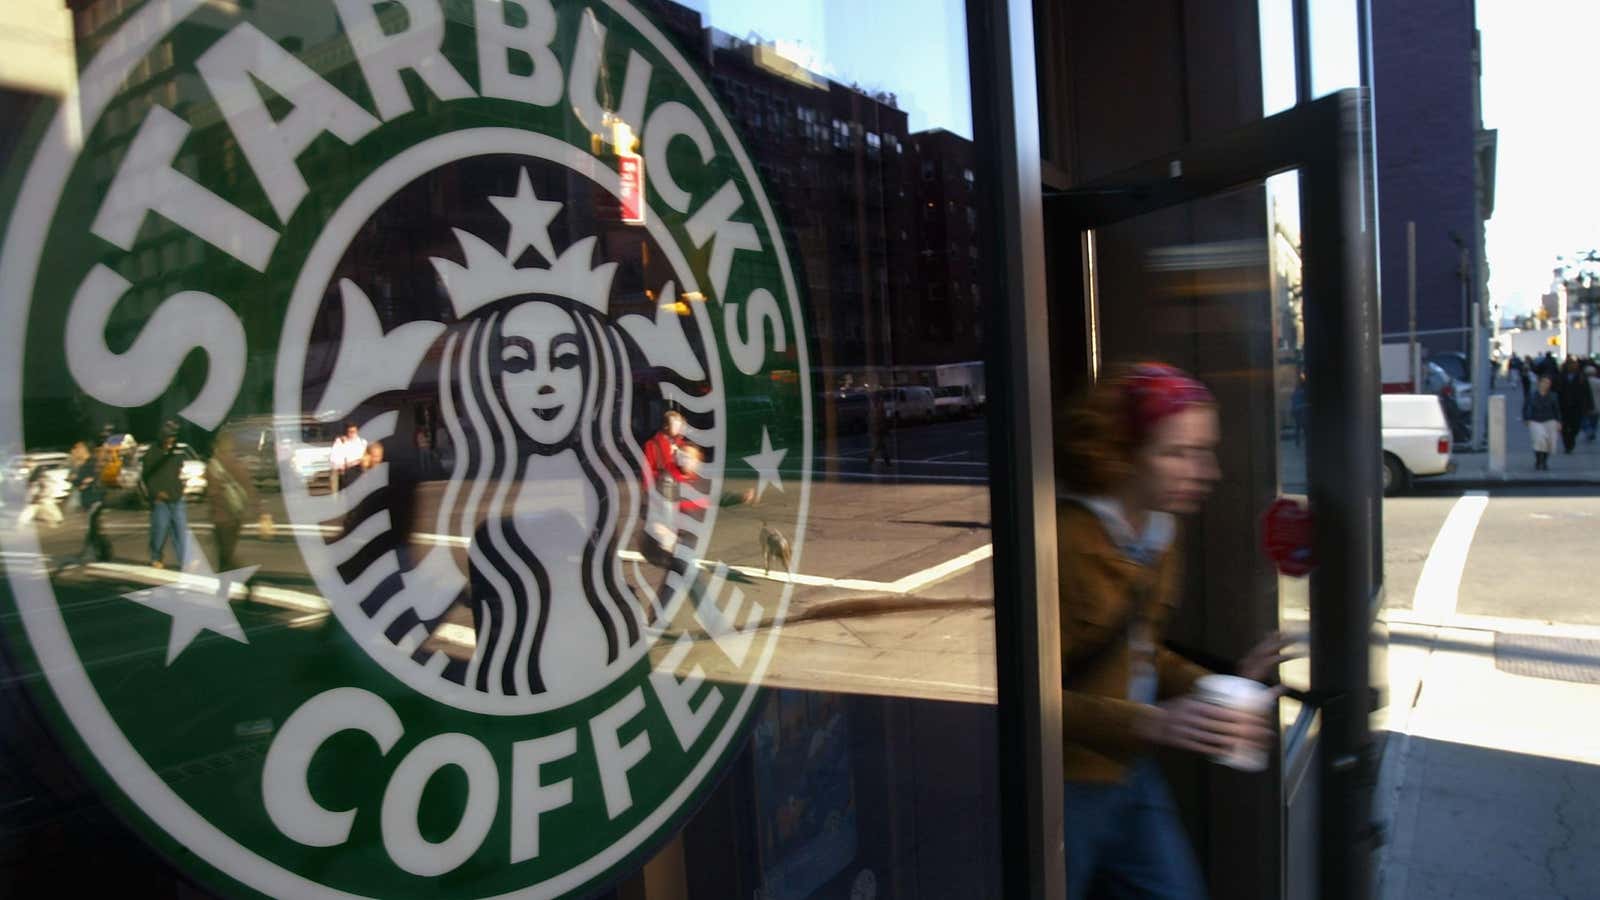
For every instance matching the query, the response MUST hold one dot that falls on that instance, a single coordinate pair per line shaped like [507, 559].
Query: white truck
[1416, 440]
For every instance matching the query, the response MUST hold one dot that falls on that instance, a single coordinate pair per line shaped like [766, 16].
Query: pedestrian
[1524, 377]
[1592, 423]
[233, 497]
[1576, 401]
[371, 458]
[667, 521]
[1141, 455]
[663, 477]
[1300, 408]
[1542, 412]
[87, 480]
[881, 424]
[42, 502]
[422, 441]
[345, 458]
[162, 476]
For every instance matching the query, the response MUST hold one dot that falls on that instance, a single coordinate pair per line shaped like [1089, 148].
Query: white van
[912, 403]
[1416, 440]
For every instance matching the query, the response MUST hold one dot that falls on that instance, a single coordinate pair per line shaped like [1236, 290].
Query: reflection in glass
[493, 459]
[1290, 404]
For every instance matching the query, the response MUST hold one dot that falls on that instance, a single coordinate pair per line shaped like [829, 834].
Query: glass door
[1245, 262]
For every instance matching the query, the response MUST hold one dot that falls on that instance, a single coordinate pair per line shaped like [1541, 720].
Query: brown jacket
[1098, 587]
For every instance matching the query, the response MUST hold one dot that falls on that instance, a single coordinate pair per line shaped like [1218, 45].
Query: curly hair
[1099, 437]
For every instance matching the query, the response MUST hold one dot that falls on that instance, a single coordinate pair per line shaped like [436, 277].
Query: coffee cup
[1243, 695]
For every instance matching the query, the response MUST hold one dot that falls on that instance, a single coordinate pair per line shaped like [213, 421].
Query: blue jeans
[168, 519]
[1124, 840]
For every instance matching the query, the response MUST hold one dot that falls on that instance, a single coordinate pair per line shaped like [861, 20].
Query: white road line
[1439, 587]
[464, 636]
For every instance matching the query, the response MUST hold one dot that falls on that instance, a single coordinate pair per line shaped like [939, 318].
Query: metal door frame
[1325, 141]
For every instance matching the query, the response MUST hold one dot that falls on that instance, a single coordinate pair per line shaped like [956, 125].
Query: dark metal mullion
[1341, 462]
[1005, 123]
[1302, 50]
[1237, 159]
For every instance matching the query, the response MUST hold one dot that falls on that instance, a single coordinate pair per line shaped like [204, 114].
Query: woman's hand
[1188, 723]
[1264, 658]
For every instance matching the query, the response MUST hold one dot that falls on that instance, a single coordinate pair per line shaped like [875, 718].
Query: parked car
[1416, 440]
[1454, 363]
[911, 403]
[954, 401]
[852, 410]
[1455, 398]
[51, 468]
[1437, 380]
[266, 442]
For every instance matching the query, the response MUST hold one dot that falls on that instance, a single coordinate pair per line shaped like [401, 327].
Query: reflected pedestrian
[372, 457]
[1142, 454]
[42, 503]
[1592, 423]
[233, 497]
[345, 458]
[1576, 402]
[662, 477]
[162, 475]
[1542, 412]
[87, 480]
[881, 424]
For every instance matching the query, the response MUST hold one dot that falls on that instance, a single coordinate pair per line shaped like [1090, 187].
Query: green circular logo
[501, 292]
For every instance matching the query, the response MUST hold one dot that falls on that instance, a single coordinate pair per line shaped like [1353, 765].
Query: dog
[773, 545]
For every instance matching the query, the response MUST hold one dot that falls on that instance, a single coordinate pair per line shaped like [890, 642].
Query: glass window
[468, 448]
[1335, 32]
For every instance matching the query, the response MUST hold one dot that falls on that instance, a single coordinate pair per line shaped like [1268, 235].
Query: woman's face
[1178, 465]
[1544, 385]
[541, 360]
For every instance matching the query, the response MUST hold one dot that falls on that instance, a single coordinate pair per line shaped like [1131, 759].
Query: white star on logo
[197, 601]
[530, 220]
[766, 464]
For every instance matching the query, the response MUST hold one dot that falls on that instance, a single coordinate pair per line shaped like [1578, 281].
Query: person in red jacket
[659, 451]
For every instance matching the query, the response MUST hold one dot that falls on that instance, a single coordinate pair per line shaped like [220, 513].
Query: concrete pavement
[1490, 786]
[1472, 469]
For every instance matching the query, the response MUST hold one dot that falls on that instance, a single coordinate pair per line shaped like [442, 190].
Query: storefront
[619, 439]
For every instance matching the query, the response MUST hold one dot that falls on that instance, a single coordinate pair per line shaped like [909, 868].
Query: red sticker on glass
[1286, 536]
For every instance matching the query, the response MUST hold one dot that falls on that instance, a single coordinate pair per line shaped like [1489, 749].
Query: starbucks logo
[519, 249]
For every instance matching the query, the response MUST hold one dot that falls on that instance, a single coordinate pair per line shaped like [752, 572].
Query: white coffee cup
[1244, 695]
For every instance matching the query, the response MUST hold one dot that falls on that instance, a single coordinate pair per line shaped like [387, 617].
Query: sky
[924, 62]
[1538, 91]
[1540, 87]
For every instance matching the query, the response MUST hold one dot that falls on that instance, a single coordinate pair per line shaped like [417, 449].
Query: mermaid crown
[490, 275]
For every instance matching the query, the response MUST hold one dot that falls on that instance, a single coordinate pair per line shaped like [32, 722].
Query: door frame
[1327, 142]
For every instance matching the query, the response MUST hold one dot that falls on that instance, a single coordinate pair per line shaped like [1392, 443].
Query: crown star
[530, 220]
[489, 276]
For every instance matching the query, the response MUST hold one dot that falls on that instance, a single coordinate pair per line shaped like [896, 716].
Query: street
[1491, 778]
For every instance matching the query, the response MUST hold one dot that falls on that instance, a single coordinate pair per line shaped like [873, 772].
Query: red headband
[1155, 391]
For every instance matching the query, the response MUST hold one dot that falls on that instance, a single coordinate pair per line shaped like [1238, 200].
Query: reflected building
[882, 219]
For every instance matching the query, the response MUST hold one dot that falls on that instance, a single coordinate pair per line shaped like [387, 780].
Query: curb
[1486, 482]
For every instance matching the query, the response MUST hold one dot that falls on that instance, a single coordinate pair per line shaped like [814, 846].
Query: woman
[1542, 412]
[1576, 402]
[1141, 454]
[535, 395]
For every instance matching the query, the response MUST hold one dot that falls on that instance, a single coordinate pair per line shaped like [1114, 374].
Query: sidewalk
[1472, 469]
[1491, 783]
